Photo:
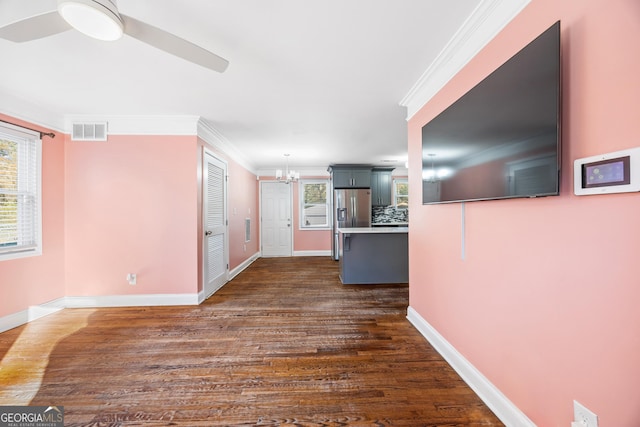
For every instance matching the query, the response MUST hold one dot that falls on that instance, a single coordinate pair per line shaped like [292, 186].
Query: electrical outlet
[583, 417]
[132, 278]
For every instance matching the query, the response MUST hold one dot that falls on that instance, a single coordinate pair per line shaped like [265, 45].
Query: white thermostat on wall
[617, 172]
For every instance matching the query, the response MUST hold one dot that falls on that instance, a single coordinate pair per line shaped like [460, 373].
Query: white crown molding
[117, 124]
[213, 137]
[504, 409]
[315, 171]
[486, 21]
[29, 112]
[138, 124]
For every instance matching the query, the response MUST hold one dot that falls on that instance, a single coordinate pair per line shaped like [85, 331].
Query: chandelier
[289, 175]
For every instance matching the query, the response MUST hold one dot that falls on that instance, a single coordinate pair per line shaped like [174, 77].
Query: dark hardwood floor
[283, 344]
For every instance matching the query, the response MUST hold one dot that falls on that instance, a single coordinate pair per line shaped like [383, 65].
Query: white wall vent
[247, 230]
[89, 131]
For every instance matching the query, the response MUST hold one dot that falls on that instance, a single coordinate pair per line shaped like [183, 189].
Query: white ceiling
[319, 79]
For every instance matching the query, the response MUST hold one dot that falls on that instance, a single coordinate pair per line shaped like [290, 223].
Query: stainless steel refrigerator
[351, 208]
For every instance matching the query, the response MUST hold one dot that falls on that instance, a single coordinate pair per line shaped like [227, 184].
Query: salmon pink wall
[305, 240]
[35, 280]
[243, 203]
[131, 204]
[131, 208]
[544, 300]
[242, 200]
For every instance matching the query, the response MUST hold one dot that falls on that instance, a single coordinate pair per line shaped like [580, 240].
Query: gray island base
[372, 255]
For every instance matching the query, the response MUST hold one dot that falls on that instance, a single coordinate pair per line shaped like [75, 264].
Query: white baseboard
[35, 312]
[32, 313]
[504, 409]
[130, 300]
[233, 273]
[312, 253]
[201, 297]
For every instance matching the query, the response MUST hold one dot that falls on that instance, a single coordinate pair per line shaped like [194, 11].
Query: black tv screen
[502, 138]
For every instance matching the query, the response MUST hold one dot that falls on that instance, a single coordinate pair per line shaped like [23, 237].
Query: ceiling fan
[100, 19]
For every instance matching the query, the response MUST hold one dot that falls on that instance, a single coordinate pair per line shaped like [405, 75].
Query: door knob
[208, 233]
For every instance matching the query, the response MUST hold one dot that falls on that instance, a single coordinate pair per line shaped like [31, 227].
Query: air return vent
[89, 132]
[247, 230]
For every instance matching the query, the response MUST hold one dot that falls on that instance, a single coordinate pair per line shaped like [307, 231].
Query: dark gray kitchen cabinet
[378, 255]
[351, 177]
[381, 187]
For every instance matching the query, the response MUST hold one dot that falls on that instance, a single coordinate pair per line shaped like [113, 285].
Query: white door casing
[215, 240]
[276, 229]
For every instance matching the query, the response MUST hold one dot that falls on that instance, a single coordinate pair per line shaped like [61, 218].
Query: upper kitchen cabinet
[381, 187]
[351, 176]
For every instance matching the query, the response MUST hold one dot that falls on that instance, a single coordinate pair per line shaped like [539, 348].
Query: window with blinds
[20, 199]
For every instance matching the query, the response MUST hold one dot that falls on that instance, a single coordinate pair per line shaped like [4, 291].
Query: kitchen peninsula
[371, 255]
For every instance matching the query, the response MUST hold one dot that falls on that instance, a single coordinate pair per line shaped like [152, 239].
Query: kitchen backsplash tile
[388, 214]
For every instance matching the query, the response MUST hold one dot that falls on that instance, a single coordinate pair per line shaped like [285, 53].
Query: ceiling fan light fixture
[95, 18]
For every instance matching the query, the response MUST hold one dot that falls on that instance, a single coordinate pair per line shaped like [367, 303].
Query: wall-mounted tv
[502, 138]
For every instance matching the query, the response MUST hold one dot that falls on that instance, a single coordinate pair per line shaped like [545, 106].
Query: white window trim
[395, 190]
[22, 133]
[301, 225]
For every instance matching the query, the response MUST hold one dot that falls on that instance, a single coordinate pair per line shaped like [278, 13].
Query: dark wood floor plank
[283, 344]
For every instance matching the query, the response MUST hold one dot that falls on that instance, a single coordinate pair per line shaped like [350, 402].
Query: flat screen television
[502, 138]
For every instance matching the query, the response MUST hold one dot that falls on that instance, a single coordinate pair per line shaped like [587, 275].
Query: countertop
[373, 230]
[389, 224]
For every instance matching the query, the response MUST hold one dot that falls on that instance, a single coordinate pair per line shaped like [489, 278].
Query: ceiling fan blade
[34, 27]
[173, 44]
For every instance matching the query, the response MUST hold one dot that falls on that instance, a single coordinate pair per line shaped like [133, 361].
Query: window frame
[21, 135]
[327, 204]
[396, 195]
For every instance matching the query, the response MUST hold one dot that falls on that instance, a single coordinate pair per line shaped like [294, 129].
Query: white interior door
[216, 264]
[276, 223]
